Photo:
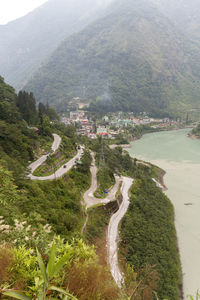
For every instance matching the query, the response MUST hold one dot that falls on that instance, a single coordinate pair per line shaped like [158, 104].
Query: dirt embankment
[193, 136]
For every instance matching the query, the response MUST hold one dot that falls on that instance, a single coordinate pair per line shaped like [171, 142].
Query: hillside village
[113, 124]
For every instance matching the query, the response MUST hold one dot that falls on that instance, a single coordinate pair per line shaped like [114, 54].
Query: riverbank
[135, 138]
[123, 146]
[193, 136]
[179, 156]
[195, 133]
[148, 238]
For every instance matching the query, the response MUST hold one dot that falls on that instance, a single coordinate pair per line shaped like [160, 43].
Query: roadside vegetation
[98, 220]
[196, 131]
[149, 237]
[105, 180]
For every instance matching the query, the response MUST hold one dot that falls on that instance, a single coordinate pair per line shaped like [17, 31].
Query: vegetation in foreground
[70, 267]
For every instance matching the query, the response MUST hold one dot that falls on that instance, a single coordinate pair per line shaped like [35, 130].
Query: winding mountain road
[112, 235]
[42, 159]
[62, 170]
[89, 198]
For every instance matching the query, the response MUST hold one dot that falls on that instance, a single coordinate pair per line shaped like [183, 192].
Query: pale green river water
[179, 156]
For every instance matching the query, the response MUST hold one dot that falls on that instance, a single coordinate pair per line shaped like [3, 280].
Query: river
[179, 156]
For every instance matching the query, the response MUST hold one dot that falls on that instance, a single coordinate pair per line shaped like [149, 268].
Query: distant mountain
[28, 41]
[184, 14]
[133, 58]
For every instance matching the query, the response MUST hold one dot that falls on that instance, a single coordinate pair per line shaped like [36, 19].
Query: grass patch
[105, 180]
[98, 219]
[48, 169]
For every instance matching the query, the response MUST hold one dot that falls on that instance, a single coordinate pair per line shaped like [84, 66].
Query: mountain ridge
[98, 62]
[28, 41]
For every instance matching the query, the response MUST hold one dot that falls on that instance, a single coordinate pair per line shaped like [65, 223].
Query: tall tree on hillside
[6, 91]
[27, 106]
[47, 110]
[41, 109]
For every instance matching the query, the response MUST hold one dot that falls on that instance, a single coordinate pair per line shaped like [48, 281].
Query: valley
[99, 151]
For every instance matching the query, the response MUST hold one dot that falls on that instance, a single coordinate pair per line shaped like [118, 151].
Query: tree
[27, 106]
[9, 112]
[41, 109]
[45, 126]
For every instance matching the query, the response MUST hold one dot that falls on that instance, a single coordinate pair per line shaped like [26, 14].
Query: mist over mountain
[184, 14]
[28, 41]
[132, 58]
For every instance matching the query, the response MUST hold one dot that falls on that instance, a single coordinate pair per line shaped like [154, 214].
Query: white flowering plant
[23, 234]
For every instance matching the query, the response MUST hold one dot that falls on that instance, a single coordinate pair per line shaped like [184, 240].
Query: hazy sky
[13, 9]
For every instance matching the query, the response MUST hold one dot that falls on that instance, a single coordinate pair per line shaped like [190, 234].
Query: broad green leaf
[17, 295]
[60, 264]
[51, 262]
[42, 267]
[37, 282]
[60, 290]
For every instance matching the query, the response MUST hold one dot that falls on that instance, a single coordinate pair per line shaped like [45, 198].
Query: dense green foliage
[113, 159]
[26, 104]
[16, 140]
[196, 131]
[105, 180]
[149, 236]
[132, 59]
[98, 219]
[138, 131]
[6, 91]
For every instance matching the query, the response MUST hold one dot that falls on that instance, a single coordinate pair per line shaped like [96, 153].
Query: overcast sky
[13, 9]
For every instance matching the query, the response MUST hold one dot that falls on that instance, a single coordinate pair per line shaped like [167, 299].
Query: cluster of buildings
[80, 120]
[113, 124]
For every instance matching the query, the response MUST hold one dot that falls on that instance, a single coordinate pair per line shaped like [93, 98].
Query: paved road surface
[89, 198]
[41, 160]
[112, 235]
[61, 171]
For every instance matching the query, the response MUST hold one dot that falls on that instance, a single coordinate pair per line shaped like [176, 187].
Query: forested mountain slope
[184, 14]
[28, 41]
[131, 59]
[15, 139]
